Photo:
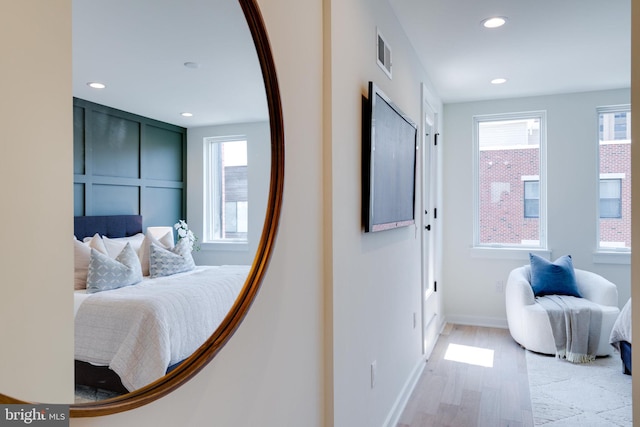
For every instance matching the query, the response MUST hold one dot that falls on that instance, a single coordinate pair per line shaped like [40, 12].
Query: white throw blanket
[140, 330]
[575, 323]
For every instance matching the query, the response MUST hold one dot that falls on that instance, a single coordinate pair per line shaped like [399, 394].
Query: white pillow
[116, 245]
[106, 273]
[165, 262]
[82, 254]
[165, 241]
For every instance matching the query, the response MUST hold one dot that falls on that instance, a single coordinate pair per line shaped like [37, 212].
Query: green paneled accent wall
[127, 164]
[160, 202]
[159, 145]
[78, 140]
[116, 144]
[78, 199]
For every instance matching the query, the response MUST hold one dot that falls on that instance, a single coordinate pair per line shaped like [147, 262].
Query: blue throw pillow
[553, 278]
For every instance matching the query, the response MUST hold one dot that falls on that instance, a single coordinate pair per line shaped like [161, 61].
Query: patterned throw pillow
[165, 262]
[82, 255]
[106, 273]
[165, 241]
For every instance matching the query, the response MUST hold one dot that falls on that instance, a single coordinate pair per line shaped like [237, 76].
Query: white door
[430, 296]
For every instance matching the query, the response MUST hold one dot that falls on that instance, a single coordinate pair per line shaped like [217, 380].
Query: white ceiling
[546, 46]
[138, 50]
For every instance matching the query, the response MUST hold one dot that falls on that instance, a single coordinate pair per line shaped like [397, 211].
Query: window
[532, 199]
[226, 190]
[509, 174]
[610, 198]
[614, 149]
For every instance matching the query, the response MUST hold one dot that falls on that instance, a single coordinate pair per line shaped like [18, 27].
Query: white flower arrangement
[183, 231]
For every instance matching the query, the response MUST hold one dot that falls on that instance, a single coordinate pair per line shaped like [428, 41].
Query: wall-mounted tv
[389, 146]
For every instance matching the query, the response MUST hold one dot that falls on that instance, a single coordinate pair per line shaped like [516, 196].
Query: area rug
[85, 394]
[571, 394]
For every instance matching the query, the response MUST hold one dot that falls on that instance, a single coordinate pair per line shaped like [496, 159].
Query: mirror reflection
[171, 180]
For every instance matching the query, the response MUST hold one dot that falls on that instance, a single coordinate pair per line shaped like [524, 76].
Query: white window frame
[510, 251]
[210, 197]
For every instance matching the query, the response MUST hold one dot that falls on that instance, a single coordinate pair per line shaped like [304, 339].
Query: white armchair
[529, 323]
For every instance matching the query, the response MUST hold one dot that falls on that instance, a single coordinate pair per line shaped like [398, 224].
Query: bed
[129, 336]
[621, 336]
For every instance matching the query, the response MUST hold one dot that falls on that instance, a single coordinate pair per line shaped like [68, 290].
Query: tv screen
[389, 164]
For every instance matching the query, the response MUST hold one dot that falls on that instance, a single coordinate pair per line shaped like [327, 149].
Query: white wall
[271, 371]
[373, 279]
[258, 172]
[572, 165]
[36, 172]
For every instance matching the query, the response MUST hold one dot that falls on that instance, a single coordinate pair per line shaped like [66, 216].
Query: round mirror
[233, 81]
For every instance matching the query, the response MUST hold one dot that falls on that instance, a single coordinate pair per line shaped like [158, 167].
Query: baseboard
[429, 349]
[489, 322]
[405, 394]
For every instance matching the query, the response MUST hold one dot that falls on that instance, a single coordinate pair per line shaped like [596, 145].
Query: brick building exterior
[502, 177]
[508, 174]
[615, 163]
[502, 218]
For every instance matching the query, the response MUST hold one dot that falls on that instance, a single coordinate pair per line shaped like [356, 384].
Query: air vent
[384, 55]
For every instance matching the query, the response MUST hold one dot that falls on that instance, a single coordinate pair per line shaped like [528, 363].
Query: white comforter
[138, 331]
[622, 328]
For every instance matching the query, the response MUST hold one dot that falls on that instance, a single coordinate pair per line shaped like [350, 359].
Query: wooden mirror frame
[203, 355]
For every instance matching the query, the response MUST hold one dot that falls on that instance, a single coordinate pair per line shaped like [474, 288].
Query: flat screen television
[389, 164]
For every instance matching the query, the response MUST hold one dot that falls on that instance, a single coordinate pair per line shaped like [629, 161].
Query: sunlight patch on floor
[470, 355]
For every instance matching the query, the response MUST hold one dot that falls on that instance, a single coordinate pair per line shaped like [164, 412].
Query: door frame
[430, 166]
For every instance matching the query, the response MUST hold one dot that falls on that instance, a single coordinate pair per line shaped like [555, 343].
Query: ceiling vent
[384, 54]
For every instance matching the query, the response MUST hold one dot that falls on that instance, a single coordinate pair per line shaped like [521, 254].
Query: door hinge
[435, 286]
[435, 139]
[435, 213]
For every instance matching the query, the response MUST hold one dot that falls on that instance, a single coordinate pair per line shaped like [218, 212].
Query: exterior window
[614, 216]
[610, 198]
[531, 199]
[226, 190]
[509, 174]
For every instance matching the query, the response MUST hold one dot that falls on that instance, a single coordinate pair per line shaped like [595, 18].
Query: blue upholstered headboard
[107, 225]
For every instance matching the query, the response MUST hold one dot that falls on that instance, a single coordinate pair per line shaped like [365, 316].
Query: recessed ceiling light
[191, 65]
[498, 81]
[494, 22]
[96, 85]
[186, 114]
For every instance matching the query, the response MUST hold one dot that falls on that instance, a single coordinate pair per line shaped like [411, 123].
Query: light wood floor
[458, 394]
